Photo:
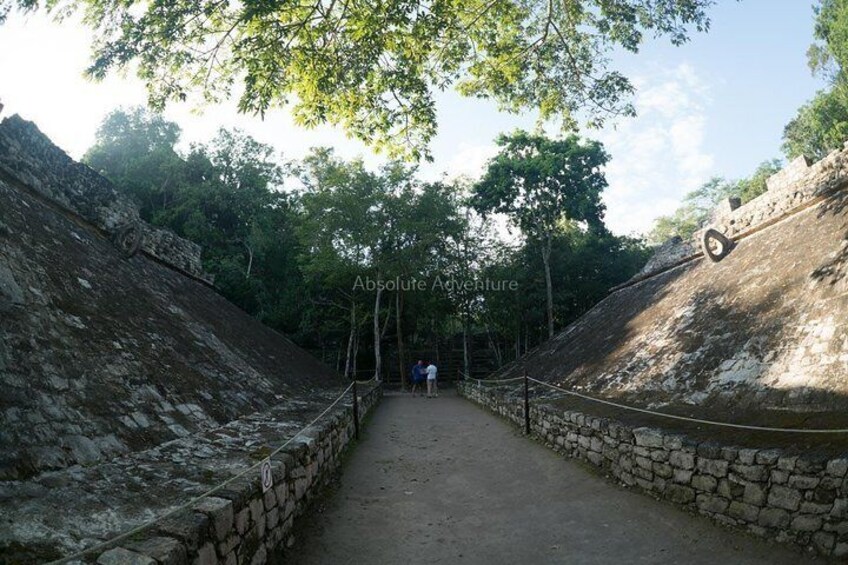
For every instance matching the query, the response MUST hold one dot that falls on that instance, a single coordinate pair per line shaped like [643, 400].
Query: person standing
[418, 376]
[432, 387]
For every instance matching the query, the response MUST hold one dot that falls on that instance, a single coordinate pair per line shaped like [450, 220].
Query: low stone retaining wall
[768, 492]
[240, 524]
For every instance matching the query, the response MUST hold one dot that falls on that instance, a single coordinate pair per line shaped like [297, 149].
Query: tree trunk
[518, 341]
[350, 338]
[466, 360]
[249, 261]
[377, 358]
[355, 351]
[398, 323]
[546, 259]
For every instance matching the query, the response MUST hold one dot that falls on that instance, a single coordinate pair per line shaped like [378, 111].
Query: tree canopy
[821, 125]
[288, 241]
[542, 184]
[697, 207]
[374, 68]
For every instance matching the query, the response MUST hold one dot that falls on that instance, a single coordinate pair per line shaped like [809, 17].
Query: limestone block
[188, 527]
[774, 518]
[803, 482]
[743, 511]
[704, 483]
[837, 467]
[754, 494]
[679, 494]
[823, 542]
[755, 473]
[806, 523]
[206, 555]
[712, 504]
[242, 520]
[682, 476]
[715, 467]
[681, 460]
[121, 556]
[166, 551]
[784, 497]
[648, 437]
[220, 512]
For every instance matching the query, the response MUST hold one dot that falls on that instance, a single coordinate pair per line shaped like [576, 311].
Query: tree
[373, 67]
[135, 149]
[821, 125]
[698, 206]
[539, 183]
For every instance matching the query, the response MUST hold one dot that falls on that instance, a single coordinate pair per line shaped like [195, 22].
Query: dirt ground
[442, 481]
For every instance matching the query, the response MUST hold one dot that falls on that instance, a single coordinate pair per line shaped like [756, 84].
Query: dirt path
[442, 481]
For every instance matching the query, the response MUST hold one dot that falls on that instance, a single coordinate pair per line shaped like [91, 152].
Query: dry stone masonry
[30, 158]
[768, 492]
[762, 334]
[131, 387]
[240, 523]
[798, 185]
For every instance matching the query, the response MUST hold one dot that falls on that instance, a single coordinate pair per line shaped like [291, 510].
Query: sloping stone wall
[28, 156]
[240, 524]
[768, 492]
[795, 187]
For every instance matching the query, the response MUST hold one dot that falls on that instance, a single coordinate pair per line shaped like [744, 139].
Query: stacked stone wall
[29, 157]
[794, 188]
[240, 524]
[773, 494]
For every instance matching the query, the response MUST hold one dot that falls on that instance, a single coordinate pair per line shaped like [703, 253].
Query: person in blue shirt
[418, 377]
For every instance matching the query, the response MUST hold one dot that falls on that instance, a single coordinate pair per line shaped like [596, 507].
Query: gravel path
[442, 481]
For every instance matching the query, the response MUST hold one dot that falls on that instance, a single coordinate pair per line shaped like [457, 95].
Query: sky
[715, 106]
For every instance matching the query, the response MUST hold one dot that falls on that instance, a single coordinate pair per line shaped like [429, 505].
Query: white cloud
[470, 160]
[660, 155]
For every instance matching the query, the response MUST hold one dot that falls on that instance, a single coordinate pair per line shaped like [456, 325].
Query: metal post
[526, 405]
[355, 411]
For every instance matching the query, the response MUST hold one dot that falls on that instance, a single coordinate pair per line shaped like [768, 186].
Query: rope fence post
[355, 411]
[526, 405]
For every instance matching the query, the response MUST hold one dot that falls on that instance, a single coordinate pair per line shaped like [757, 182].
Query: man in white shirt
[432, 388]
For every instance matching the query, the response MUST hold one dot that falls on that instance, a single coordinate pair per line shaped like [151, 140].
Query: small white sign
[266, 475]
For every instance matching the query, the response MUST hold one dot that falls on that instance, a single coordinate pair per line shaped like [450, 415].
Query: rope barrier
[465, 376]
[695, 420]
[138, 529]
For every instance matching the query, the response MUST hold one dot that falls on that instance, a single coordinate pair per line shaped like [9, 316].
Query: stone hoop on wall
[716, 245]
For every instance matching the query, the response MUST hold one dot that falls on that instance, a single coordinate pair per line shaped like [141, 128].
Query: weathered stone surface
[166, 551]
[681, 460]
[704, 483]
[679, 494]
[715, 467]
[714, 504]
[837, 467]
[206, 555]
[806, 523]
[188, 527]
[754, 494]
[121, 556]
[774, 518]
[784, 497]
[743, 511]
[648, 437]
[220, 512]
